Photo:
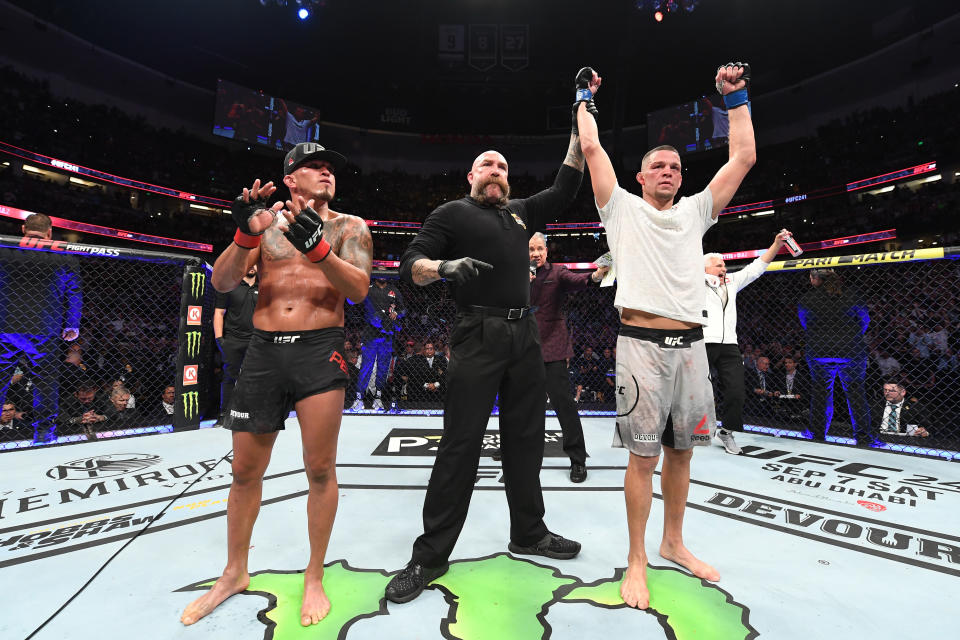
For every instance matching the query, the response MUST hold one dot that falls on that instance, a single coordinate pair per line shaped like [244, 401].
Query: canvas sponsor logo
[51, 537]
[424, 442]
[848, 481]
[114, 464]
[926, 548]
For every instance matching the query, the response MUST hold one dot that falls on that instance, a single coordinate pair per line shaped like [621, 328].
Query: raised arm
[774, 249]
[602, 176]
[252, 217]
[733, 83]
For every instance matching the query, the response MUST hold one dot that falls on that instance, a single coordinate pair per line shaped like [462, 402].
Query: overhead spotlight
[659, 8]
[303, 13]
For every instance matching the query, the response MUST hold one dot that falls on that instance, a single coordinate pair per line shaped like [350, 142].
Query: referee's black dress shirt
[490, 355]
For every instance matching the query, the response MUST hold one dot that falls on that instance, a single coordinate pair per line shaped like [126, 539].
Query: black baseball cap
[308, 151]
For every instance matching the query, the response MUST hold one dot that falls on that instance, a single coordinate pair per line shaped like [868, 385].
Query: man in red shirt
[548, 289]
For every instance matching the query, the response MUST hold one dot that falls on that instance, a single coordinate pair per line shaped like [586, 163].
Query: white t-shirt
[297, 130]
[658, 255]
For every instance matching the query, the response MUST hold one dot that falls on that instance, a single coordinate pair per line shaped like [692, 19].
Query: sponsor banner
[885, 257]
[190, 355]
[424, 442]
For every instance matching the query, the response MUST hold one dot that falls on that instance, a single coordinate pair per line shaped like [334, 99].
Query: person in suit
[761, 385]
[12, 427]
[427, 375]
[549, 286]
[899, 416]
[791, 392]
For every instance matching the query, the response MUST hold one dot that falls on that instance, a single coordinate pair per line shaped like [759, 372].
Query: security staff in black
[232, 328]
[479, 245]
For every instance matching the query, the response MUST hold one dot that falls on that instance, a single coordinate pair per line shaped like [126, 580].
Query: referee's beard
[480, 193]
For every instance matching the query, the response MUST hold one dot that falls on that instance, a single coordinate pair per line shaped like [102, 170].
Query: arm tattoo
[354, 243]
[574, 157]
[424, 271]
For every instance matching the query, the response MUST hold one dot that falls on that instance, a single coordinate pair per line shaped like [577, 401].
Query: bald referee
[479, 245]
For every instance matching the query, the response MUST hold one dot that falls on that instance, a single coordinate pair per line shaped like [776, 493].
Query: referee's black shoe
[411, 581]
[551, 546]
[578, 472]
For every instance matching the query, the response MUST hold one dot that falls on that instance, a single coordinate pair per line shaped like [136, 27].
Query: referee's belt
[509, 314]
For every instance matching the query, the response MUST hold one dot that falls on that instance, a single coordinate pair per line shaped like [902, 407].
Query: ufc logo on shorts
[285, 339]
[190, 373]
[673, 341]
[194, 314]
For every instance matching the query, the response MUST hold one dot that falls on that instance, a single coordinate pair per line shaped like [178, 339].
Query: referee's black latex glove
[462, 269]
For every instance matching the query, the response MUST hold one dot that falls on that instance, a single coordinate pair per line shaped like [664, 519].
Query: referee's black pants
[728, 361]
[234, 349]
[558, 388]
[489, 355]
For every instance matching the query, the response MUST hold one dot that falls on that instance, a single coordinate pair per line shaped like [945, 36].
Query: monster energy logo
[193, 343]
[191, 404]
[198, 281]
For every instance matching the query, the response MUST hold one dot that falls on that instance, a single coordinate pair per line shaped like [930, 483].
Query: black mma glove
[740, 96]
[242, 212]
[462, 269]
[582, 85]
[306, 234]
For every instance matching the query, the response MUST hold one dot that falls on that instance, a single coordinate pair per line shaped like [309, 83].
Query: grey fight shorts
[664, 394]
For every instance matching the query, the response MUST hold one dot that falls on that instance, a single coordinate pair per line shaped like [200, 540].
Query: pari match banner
[190, 365]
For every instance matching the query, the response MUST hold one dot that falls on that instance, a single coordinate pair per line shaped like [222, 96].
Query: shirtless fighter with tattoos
[310, 258]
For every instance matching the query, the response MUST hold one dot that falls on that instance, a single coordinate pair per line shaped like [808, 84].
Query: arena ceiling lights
[303, 9]
[660, 8]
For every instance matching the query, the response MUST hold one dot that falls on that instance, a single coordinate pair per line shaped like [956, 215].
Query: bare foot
[316, 605]
[225, 587]
[682, 556]
[633, 588]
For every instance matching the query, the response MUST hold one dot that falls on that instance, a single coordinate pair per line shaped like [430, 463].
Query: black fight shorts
[280, 369]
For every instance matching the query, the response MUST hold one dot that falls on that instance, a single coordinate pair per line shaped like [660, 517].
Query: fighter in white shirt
[663, 389]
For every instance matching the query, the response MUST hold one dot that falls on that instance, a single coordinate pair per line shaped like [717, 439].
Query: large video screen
[253, 116]
[691, 126]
